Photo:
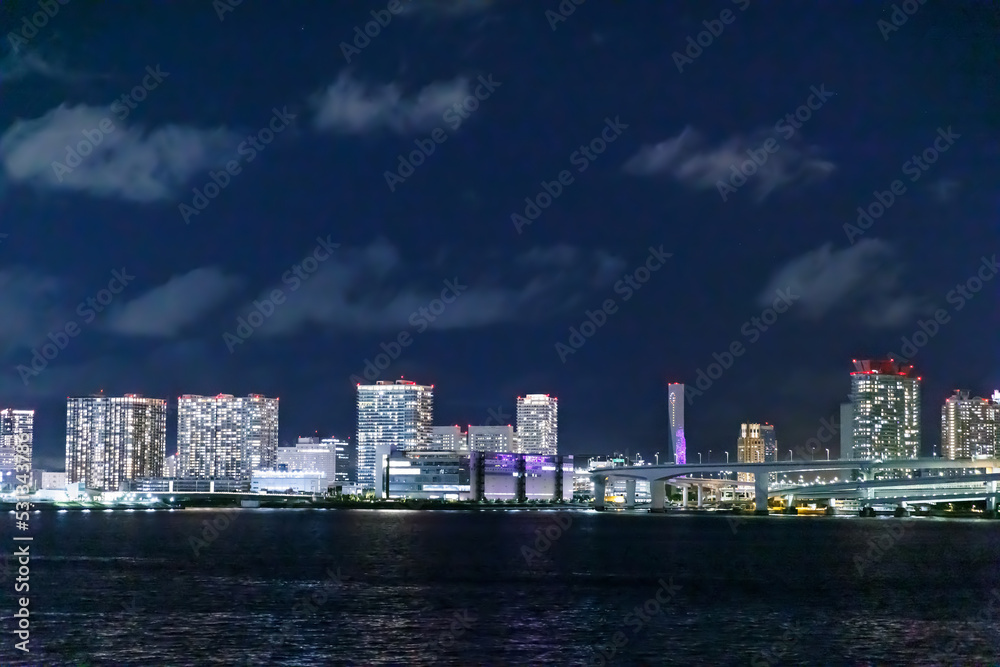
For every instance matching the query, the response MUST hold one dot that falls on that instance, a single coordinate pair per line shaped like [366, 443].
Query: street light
[827, 454]
[658, 458]
[727, 457]
[789, 455]
[699, 458]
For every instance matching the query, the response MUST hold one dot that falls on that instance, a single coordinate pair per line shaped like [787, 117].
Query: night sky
[632, 138]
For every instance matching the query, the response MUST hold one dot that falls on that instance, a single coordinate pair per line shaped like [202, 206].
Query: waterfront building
[110, 440]
[538, 424]
[449, 439]
[315, 455]
[424, 474]
[187, 485]
[225, 437]
[520, 477]
[675, 401]
[970, 427]
[291, 481]
[48, 481]
[16, 426]
[397, 415]
[885, 404]
[491, 438]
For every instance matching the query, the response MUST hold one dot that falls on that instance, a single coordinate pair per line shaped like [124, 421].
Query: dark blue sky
[878, 97]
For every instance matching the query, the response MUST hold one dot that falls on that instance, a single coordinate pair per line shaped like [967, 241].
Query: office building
[750, 448]
[770, 442]
[16, 426]
[397, 415]
[675, 400]
[187, 484]
[111, 440]
[885, 400]
[492, 438]
[423, 474]
[448, 439]
[970, 427]
[520, 477]
[315, 455]
[292, 481]
[538, 424]
[342, 455]
[224, 437]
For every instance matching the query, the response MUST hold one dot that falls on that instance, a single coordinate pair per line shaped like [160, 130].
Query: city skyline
[628, 261]
[460, 438]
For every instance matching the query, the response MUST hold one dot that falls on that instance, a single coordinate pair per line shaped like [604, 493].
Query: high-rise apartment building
[885, 404]
[110, 440]
[491, 438]
[16, 426]
[538, 424]
[970, 427]
[448, 439]
[314, 455]
[675, 401]
[396, 415]
[225, 437]
[751, 447]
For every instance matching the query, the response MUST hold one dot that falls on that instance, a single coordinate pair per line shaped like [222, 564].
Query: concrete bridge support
[599, 491]
[760, 493]
[684, 496]
[701, 496]
[657, 490]
[630, 493]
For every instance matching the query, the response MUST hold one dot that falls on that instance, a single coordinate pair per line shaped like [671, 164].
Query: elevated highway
[687, 474]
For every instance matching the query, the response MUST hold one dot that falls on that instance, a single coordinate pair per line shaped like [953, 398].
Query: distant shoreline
[431, 505]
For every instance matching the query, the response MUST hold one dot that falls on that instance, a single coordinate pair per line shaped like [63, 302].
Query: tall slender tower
[110, 440]
[885, 400]
[538, 424]
[392, 415]
[676, 405]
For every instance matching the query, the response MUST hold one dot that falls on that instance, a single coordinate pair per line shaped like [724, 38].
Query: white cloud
[32, 305]
[447, 8]
[181, 301]
[126, 163]
[353, 107]
[687, 159]
[863, 279]
[373, 289]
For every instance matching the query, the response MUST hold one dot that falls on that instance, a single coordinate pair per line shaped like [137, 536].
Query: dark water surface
[457, 588]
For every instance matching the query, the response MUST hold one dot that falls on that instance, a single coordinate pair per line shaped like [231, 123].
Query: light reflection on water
[421, 588]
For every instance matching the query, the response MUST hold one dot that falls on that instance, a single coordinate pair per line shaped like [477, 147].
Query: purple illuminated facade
[676, 406]
[520, 477]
